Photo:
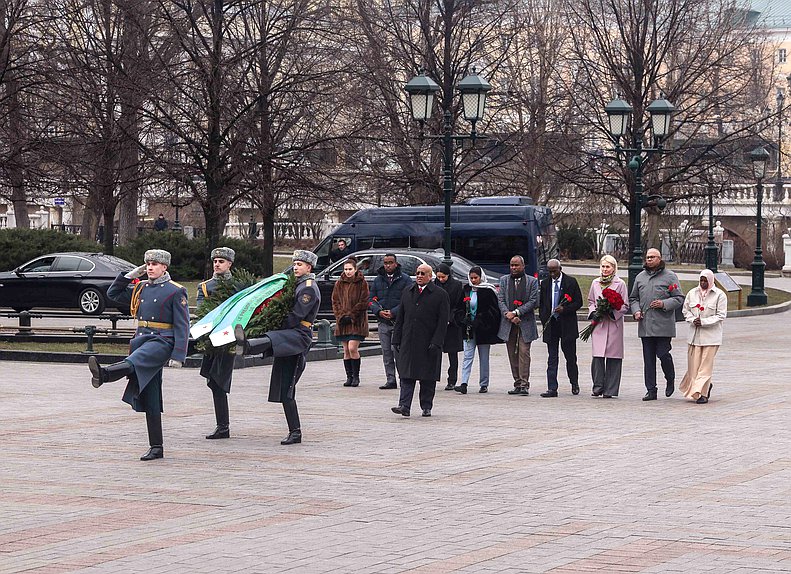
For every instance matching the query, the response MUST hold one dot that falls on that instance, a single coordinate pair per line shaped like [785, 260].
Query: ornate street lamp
[759, 158]
[422, 90]
[618, 114]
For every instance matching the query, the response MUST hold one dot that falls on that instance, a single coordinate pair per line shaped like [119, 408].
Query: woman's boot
[347, 365]
[355, 372]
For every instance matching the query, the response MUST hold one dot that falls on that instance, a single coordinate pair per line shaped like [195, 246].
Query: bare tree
[699, 54]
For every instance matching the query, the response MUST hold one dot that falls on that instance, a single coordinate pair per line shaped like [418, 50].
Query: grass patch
[104, 348]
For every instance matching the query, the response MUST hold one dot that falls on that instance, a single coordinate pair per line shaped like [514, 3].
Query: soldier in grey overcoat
[290, 344]
[162, 312]
[654, 298]
[217, 367]
[418, 337]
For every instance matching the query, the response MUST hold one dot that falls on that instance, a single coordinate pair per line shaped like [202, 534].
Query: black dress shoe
[400, 411]
[153, 453]
[515, 391]
[450, 387]
[596, 394]
[702, 400]
[548, 394]
[222, 431]
[426, 412]
[575, 388]
[650, 395]
[483, 390]
[294, 437]
[461, 389]
[606, 396]
[669, 388]
[524, 391]
[389, 386]
[348, 383]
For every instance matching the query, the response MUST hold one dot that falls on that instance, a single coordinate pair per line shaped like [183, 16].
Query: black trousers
[660, 347]
[569, 348]
[426, 396]
[453, 367]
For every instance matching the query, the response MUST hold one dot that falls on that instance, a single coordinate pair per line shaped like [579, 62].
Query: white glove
[136, 272]
[174, 364]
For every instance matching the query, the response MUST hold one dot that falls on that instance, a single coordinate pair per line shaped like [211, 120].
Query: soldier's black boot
[292, 418]
[154, 425]
[101, 375]
[221, 414]
[355, 372]
[347, 365]
[246, 346]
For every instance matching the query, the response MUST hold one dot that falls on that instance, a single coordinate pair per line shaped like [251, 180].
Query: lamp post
[711, 247]
[422, 90]
[618, 115]
[759, 158]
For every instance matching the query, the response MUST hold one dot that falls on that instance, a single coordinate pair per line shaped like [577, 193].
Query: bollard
[24, 324]
[90, 331]
[325, 337]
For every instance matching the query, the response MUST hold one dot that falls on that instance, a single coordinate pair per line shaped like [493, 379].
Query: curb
[324, 353]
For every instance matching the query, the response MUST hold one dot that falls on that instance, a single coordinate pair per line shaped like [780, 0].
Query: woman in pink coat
[607, 338]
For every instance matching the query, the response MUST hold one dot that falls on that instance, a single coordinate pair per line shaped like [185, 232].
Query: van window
[426, 241]
[409, 264]
[488, 249]
[387, 242]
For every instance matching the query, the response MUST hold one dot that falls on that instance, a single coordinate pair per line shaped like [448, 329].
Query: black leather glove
[434, 348]
[345, 320]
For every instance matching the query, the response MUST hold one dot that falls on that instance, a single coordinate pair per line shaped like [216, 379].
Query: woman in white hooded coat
[705, 309]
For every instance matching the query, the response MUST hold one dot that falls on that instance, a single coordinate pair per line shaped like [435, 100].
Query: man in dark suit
[420, 325]
[560, 299]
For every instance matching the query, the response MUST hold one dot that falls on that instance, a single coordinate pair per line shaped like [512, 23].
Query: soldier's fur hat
[157, 256]
[307, 256]
[223, 253]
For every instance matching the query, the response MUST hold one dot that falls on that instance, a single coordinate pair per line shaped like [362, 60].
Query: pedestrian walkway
[489, 484]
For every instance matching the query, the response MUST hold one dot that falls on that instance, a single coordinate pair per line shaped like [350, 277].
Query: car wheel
[91, 301]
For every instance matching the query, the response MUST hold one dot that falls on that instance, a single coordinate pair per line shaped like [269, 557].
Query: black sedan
[369, 261]
[63, 280]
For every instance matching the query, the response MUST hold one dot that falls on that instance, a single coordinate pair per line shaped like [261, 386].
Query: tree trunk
[268, 226]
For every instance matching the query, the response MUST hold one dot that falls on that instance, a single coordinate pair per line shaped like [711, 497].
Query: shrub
[18, 245]
[576, 243]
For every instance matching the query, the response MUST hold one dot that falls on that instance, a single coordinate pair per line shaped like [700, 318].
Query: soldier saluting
[161, 309]
[290, 344]
[217, 367]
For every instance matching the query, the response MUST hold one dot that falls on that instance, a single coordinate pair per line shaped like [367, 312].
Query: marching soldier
[161, 309]
[290, 344]
[217, 367]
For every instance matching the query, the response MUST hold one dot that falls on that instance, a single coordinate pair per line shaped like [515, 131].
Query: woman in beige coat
[705, 308]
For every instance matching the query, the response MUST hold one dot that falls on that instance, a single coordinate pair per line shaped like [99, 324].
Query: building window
[781, 56]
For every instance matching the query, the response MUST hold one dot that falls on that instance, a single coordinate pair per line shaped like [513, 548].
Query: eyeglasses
[421, 273]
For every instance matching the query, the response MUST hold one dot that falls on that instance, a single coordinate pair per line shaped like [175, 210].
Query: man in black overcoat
[560, 299]
[454, 337]
[418, 337]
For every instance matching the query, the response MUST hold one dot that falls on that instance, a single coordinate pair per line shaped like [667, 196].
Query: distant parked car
[369, 261]
[63, 280]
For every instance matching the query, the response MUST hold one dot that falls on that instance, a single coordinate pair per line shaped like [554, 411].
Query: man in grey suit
[518, 299]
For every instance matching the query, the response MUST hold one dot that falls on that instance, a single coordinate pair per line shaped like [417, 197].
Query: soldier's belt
[307, 324]
[154, 325]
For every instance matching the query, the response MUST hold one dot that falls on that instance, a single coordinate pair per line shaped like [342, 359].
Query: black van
[485, 230]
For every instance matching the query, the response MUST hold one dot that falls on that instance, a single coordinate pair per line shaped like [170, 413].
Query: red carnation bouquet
[609, 302]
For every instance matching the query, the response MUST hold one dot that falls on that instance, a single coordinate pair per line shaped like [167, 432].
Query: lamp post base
[757, 298]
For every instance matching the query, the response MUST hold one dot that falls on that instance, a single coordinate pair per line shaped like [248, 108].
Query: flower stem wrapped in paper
[606, 305]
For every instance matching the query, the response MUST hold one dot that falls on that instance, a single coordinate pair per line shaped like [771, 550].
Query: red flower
[467, 299]
[613, 298]
[567, 297]
[518, 303]
[535, 274]
[699, 306]
[673, 287]
[375, 299]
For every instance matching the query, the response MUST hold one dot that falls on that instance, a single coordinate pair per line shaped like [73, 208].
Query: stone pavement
[490, 483]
